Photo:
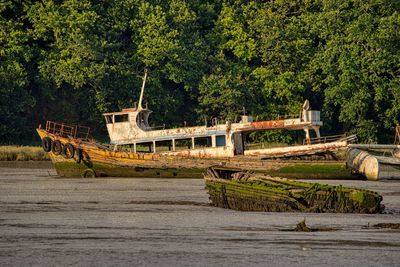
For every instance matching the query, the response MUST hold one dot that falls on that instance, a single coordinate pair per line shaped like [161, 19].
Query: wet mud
[387, 225]
[50, 221]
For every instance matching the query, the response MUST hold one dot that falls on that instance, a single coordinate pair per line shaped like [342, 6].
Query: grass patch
[22, 153]
[314, 171]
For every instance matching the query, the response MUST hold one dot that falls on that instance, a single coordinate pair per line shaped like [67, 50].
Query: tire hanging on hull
[68, 151]
[57, 147]
[78, 155]
[46, 144]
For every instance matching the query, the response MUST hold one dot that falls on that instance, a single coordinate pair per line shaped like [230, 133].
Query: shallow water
[46, 220]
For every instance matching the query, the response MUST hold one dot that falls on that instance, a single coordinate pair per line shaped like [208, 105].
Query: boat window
[183, 144]
[144, 147]
[109, 118]
[164, 145]
[200, 142]
[121, 118]
[220, 140]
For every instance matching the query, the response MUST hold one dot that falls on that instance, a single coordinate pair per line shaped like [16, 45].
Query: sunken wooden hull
[242, 191]
[99, 161]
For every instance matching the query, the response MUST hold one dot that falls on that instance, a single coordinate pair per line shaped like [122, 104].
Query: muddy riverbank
[45, 220]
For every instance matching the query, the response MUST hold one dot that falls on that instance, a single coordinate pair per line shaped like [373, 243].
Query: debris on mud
[302, 227]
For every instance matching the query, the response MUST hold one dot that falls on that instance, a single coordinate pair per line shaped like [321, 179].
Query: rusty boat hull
[96, 160]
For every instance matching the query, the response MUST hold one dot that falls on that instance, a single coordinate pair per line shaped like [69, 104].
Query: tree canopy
[72, 60]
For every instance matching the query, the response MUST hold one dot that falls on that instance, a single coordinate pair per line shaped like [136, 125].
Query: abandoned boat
[245, 191]
[138, 150]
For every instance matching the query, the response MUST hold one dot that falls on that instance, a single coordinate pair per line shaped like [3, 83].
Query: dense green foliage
[72, 60]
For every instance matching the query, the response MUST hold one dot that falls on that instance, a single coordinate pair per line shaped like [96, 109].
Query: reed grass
[22, 153]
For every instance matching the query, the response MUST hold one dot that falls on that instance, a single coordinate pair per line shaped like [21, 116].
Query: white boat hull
[373, 167]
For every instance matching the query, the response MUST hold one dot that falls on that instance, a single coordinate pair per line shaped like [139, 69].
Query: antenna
[142, 91]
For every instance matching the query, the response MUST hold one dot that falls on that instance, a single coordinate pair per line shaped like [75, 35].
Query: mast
[142, 91]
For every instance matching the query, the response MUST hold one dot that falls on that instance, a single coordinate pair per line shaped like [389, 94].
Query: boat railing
[311, 141]
[262, 145]
[66, 130]
[330, 138]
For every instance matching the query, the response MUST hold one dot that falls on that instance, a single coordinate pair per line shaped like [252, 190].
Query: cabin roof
[117, 113]
[128, 110]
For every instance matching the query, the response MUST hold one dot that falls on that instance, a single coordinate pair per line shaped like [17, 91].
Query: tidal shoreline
[48, 220]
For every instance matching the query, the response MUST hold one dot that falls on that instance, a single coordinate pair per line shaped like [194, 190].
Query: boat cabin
[131, 127]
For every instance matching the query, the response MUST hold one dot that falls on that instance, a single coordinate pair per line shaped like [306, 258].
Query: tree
[73, 60]
[15, 54]
[358, 64]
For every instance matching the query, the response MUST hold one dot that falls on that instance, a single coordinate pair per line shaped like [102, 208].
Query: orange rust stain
[268, 124]
[128, 109]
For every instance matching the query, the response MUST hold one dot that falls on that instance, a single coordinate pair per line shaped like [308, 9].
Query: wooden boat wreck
[138, 150]
[245, 191]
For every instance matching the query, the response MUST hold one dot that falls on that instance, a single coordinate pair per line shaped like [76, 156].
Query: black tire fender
[68, 151]
[78, 155]
[86, 159]
[46, 144]
[57, 147]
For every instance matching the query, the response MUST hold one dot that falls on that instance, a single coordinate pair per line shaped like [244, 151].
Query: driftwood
[246, 191]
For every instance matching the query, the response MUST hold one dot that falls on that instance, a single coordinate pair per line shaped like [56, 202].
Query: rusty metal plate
[268, 124]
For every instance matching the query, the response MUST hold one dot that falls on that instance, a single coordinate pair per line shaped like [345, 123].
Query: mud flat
[46, 220]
